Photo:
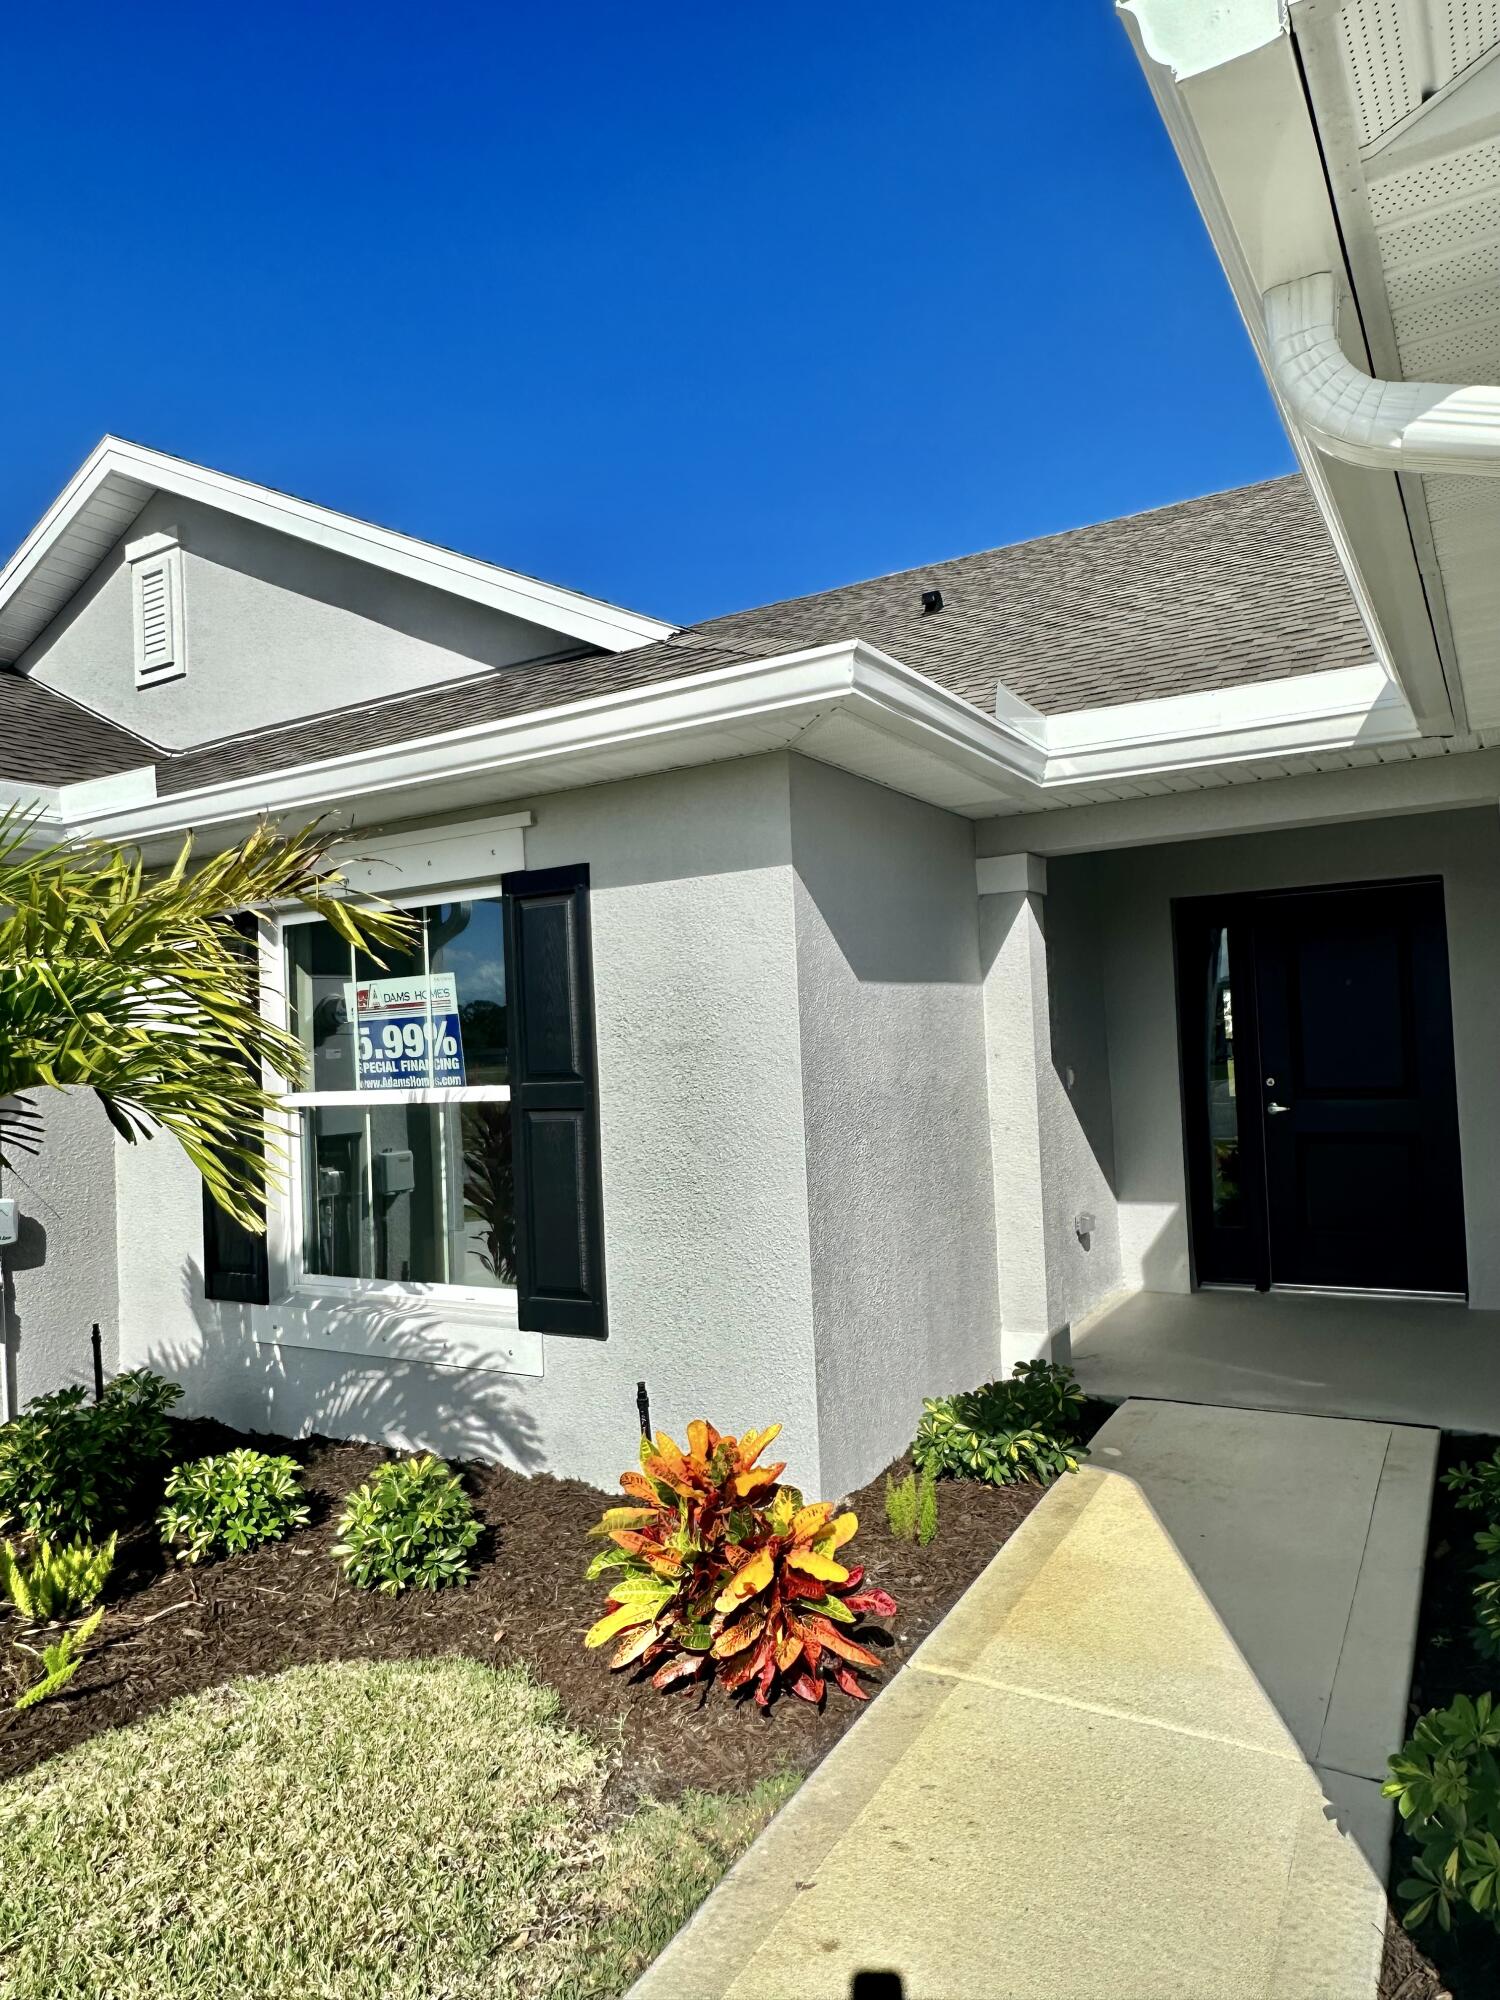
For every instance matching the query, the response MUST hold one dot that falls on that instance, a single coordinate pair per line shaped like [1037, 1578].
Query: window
[404, 1171]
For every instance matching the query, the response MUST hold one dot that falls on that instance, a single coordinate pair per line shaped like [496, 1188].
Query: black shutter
[235, 1265]
[554, 1101]
[234, 1259]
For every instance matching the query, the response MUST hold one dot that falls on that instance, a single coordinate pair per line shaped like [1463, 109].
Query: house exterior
[831, 1004]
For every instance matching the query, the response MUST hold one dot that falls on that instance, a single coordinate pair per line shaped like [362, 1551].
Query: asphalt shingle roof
[45, 739]
[1234, 588]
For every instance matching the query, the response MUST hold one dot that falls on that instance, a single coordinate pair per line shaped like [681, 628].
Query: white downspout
[1394, 426]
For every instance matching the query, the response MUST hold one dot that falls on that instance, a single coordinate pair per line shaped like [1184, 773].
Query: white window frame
[441, 1325]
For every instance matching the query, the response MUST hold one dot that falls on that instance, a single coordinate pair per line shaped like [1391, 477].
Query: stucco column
[1013, 955]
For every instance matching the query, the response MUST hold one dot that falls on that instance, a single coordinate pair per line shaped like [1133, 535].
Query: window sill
[392, 1323]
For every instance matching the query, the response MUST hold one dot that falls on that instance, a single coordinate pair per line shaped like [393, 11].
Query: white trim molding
[1392, 426]
[931, 742]
[1011, 874]
[118, 477]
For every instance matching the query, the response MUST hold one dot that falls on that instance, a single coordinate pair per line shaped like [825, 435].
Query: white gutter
[1392, 426]
[806, 701]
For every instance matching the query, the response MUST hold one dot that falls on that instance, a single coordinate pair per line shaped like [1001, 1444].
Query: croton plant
[719, 1570]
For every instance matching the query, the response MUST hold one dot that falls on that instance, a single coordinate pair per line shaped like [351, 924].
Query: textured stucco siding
[60, 1276]
[705, 1194]
[276, 629]
[901, 1218]
[1077, 1112]
[1135, 889]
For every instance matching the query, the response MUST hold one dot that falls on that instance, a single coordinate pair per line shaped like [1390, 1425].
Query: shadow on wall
[27, 1253]
[415, 1405]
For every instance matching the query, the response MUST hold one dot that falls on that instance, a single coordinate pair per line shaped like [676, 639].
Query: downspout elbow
[1393, 426]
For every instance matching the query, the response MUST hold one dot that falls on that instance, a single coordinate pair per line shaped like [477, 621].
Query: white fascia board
[587, 619]
[1342, 708]
[94, 795]
[798, 686]
[1017, 754]
[41, 800]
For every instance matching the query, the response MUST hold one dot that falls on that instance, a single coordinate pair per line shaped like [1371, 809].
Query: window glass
[431, 1015]
[409, 1193]
[395, 1190]
[466, 941]
[1223, 1109]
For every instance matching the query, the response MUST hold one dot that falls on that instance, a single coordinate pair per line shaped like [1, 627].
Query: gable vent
[156, 607]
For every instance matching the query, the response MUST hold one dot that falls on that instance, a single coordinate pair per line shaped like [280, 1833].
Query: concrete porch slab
[1100, 1775]
[1403, 1361]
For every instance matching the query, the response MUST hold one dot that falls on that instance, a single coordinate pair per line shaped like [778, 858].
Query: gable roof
[117, 479]
[1232, 589]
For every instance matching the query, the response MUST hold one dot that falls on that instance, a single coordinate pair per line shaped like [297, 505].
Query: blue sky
[692, 307]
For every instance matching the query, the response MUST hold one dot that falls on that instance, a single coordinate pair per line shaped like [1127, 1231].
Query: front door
[1322, 1128]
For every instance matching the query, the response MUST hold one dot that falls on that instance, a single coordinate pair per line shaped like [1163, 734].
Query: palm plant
[136, 985]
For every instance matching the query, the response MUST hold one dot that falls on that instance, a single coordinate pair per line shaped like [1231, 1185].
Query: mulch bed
[1465, 1963]
[172, 1631]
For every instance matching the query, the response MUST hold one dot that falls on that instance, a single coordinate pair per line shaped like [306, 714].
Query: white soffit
[96, 507]
[1423, 78]
[1363, 139]
[1232, 95]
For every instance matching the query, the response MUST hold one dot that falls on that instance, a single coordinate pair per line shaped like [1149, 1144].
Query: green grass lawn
[337, 1832]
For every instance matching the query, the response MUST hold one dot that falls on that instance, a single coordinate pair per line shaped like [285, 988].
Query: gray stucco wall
[1134, 890]
[901, 1219]
[276, 628]
[61, 1276]
[705, 1193]
[1051, 1138]
[798, 1202]
[1077, 1110]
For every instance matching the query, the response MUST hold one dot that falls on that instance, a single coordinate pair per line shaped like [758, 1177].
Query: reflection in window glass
[1223, 1110]
[433, 1014]
[397, 1190]
[416, 1194]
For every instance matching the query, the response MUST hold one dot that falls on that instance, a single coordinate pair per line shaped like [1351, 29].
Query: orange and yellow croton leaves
[719, 1570]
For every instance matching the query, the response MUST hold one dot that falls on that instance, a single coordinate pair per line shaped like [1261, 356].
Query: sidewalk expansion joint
[1290, 1755]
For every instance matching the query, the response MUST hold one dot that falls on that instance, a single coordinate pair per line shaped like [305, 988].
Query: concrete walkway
[1140, 1758]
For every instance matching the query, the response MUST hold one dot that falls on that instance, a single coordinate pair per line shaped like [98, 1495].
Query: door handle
[1275, 1110]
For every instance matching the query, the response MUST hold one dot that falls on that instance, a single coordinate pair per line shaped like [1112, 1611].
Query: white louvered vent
[156, 606]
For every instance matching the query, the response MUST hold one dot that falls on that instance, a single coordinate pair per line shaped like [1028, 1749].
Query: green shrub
[60, 1659]
[70, 1468]
[1026, 1428]
[1446, 1782]
[54, 1583]
[1476, 1488]
[911, 1507]
[223, 1505]
[410, 1523]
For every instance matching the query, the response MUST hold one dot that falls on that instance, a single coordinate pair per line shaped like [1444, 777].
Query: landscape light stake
[96, 1341]
[643, 1408]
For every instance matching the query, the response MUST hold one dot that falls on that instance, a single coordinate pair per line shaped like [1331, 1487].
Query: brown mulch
[171, 1631]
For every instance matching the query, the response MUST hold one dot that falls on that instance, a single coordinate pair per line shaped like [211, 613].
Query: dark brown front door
[1322, 1129]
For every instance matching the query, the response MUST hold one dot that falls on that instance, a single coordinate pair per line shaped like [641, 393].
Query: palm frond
[136, 986]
